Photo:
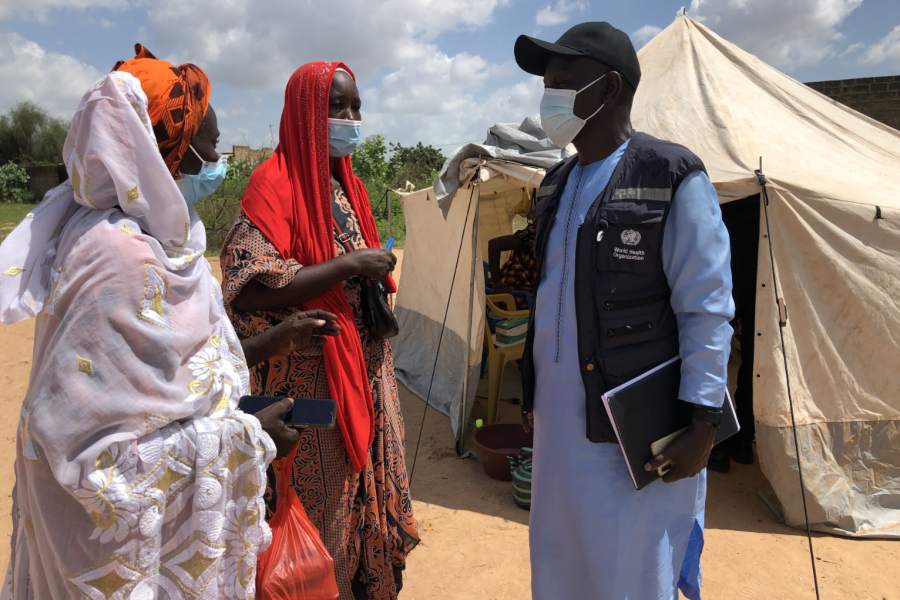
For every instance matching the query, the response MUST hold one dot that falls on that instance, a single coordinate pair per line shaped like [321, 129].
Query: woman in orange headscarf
[305, 235]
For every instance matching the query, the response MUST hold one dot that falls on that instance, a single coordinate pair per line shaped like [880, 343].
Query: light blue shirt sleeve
[697, 262]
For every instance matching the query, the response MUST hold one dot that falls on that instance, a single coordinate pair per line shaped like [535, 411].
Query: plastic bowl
[497, 441]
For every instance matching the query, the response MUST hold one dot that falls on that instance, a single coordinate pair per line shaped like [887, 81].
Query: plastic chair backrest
[487, 278]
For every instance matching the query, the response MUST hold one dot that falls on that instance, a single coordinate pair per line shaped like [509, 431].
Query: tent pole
[437, 354]
[461, 431]
[782, 316]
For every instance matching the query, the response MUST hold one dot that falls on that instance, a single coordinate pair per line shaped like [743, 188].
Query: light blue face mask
[196, 187]
[558, 117]
[343, 137]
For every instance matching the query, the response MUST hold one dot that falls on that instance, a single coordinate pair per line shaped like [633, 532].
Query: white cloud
[102, 23]
[243, 136]
[787, 34]
[887, 50]
[427, 86]
[559, 13]
[444, 100]
[38, 9]
[852, 48]
[412, 90]
[257, 45]
[467, 119]
[54, 81]
[645, 34]
[228, 113]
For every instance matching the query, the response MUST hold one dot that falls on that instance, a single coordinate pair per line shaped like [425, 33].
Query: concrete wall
[43, 179]
[875, 97]
[247, 154]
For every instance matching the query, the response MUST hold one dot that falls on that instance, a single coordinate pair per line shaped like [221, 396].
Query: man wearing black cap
[634, 268]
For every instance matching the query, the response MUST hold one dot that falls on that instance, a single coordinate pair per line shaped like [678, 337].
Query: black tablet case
[647, 409]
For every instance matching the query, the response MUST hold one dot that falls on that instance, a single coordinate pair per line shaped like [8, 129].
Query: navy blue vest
[622, 298]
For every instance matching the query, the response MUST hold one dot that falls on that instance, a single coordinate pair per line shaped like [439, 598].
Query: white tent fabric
[830, 170]
[492, 191]
[837, 266]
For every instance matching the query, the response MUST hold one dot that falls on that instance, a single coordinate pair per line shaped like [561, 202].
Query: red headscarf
[289, 199]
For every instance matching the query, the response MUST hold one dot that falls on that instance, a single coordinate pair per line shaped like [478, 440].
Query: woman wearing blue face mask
[305, 239]
[201, 176]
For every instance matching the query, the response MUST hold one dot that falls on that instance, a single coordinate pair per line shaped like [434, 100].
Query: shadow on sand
[440, 478]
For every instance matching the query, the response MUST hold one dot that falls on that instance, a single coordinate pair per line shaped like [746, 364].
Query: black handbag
[377, 314]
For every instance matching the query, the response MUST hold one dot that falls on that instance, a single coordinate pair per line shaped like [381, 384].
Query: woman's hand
[300, 329]
[374, 263]
[312, 327]
[271, 419]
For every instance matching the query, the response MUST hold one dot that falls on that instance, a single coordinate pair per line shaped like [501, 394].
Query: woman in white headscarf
[136, 477]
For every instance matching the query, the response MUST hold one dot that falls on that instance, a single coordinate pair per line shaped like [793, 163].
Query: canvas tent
[830, 249]
[488, 180]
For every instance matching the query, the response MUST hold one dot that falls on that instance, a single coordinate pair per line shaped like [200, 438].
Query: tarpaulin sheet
[524, 144]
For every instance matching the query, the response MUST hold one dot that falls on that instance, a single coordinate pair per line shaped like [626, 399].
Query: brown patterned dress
[366, 518]
[520, 271]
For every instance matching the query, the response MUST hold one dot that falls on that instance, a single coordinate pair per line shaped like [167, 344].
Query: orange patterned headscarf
[178, 99]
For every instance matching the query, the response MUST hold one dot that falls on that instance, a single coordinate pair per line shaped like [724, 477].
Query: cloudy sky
[436, 71]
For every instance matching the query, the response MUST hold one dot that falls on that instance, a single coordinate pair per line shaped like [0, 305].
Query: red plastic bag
[296, 566]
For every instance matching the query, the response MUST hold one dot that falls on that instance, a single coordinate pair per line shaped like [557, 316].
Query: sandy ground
[475, 539]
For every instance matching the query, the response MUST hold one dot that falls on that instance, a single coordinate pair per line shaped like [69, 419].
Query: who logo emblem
[630, 237]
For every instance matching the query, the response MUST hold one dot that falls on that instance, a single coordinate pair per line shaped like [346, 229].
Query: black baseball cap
[597, 40]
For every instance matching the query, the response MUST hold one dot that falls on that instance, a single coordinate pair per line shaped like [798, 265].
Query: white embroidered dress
[136, 477]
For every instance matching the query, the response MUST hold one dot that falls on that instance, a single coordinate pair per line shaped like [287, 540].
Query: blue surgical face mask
[196, 187]
[343, 137]
[558, 117]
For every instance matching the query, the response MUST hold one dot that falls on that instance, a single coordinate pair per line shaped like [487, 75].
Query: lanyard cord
[812, 556]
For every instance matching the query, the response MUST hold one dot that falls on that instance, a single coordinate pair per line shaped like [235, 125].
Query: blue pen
[389, 244]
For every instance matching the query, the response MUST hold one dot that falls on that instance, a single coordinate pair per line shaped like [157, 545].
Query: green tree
[417, 164]
[219, 210]
[30, 136]
[381, 173]
[14, 184]
[370, 160]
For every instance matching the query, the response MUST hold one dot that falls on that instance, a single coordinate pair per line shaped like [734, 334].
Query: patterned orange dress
[365, 519]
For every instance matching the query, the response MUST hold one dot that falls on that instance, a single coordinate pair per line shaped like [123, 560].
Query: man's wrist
[706, 407]
[707, 414]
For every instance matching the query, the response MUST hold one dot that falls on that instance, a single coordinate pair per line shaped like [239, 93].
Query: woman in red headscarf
[304, 237]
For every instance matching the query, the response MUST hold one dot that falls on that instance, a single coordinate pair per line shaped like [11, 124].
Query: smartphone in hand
[306, 412]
